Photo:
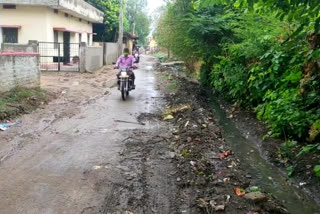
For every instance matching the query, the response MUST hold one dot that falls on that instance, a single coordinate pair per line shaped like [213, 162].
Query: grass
[161, 56]
[19, 101]
[173, 85]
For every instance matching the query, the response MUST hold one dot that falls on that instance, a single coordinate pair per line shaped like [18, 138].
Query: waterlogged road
[65, 167]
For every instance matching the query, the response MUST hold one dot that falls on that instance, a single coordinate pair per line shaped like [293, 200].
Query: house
[65, 21]
[60, 27]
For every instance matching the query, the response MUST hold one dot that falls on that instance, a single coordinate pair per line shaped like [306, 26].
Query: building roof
[77, 8]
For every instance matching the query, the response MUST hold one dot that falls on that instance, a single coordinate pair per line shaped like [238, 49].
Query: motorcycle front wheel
[123, 93]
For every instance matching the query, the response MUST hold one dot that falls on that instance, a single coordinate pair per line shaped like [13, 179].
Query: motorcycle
[137, 57]
[125, 81]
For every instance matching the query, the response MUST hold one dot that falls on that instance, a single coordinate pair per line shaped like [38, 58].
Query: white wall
[37, 23]
[32, 21]
[71, 23]
[19, 70]
[111, 54]
[77, 7]
[93, 58]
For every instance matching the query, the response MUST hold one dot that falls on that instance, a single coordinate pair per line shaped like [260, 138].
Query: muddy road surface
[161, 151]
[78, 161]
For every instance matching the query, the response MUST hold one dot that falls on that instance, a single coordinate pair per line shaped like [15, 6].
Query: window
[88, 39]
[56, 39]
[80, 37]
[66, 15]
[9, 6]
[56, 11]
[10, 35]
[80, 20]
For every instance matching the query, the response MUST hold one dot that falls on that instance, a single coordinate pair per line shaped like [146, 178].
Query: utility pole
[134, 28]
[120, 38]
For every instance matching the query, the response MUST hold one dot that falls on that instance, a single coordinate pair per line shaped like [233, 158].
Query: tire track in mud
[147, 184]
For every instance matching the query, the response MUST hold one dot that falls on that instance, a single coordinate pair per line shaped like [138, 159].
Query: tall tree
[108, 31]
[138, 20]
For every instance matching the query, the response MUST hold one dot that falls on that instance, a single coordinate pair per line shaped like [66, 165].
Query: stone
[220, 208]
[172, 155]
[256, 197]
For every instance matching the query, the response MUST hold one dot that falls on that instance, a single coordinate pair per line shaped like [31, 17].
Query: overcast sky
[154, 4]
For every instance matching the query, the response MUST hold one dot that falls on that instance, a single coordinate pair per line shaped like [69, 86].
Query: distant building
[65, 21]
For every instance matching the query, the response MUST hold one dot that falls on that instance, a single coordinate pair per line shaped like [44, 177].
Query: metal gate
[59, 56]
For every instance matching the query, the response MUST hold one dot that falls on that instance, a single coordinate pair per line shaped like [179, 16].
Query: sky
[154, 4]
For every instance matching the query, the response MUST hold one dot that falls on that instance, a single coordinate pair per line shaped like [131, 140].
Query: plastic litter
[225, 154]
[177, 109]
[168, 117]
[302, 184]
[253, 189]
[5, 126]
[240, 192]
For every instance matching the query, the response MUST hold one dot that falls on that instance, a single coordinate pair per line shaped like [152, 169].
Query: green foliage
[108, 31]
[290, 171]
[138, 19]
[20, 100]
[305, 11]
[161, 56]
[286, 149]
[134, 17]
[316, 170]
[308, 149]
[262, 55]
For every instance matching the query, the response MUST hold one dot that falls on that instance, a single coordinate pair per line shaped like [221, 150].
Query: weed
[20, 100]
[173, 85]
[316, 170]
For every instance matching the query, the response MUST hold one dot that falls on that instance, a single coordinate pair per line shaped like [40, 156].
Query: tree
[138, 21]
[108, 31]
[303, 11]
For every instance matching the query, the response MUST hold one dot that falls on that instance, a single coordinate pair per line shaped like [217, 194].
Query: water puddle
[266, 175]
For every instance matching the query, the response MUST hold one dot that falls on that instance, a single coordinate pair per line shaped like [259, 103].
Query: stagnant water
[266, 175]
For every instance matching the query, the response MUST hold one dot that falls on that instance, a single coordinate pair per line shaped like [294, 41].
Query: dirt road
[72, 163]
[89, 152]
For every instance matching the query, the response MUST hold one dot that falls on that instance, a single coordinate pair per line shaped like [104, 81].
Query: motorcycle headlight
[123, 74]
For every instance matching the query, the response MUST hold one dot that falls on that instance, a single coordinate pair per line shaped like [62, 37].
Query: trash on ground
[168, 117]
[253, 189]
[220, 208]
[5, 126]
[225, 154]
[177, 109]
[193, 163]
[228, 199]
[240, 192]
[302, 184]
[226, 180]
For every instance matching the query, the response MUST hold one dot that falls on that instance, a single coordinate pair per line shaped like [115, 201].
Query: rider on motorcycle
[126, 60]
[136, 55]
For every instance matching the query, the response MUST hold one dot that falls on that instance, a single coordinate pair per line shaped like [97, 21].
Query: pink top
[125, 61]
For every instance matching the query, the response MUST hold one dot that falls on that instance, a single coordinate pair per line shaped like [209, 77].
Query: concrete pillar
[34, 45]
[1, 38]
[104, 53]
[82, 56]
